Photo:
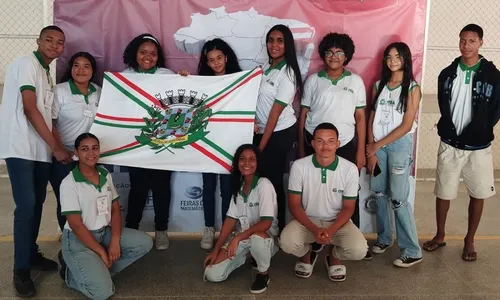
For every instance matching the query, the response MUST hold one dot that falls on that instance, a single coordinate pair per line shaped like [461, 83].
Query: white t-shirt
[323, 190]
[80, 196]
[74, 111]
[461, 96]
[18, 138]
[387, 115]
[259, 204]
[334, 101]
[154, 70]
[277, 86]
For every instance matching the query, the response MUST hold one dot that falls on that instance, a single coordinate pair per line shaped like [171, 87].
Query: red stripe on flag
[212, 103]
[232, 120]
[123, 147]
[137, 89]
[211, 156]
[119, 118]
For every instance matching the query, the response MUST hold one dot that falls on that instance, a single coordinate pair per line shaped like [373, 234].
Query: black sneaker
[317, 247]
[23, 284]
[368, 255]
[42, 263]
[379, 248]
[406, 262]
[62, 271]
[260, 283]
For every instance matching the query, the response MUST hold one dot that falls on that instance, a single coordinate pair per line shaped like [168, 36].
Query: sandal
[469, 256]
[304, 270]
[336, 273]
[432, 245]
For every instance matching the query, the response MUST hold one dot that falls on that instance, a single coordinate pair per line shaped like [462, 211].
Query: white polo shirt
[74, 111]
[80, 196]
[18, 138]
[259, 204]
[387, 115]
[154, 70]
[334, 101]
[323, 190]
[461, 96]
[277, 86]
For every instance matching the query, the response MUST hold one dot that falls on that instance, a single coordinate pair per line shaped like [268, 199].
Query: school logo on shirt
[335, 190]
[180, 121]
[256, 204]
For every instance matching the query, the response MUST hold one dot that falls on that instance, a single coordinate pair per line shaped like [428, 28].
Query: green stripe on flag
[228, 87]
[216, 147]
[234, 113]
[121, 151]
[125, 92]
[118, 125]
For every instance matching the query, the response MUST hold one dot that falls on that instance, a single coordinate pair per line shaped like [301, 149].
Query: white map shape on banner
[245, 32]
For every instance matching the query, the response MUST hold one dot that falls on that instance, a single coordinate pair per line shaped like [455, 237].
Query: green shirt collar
[76, 91]
[39, 57]
[150, 71]
[277, 67]
[78, 177]
[255, 180]
[323, 74]
[474, 68]
[332, 166]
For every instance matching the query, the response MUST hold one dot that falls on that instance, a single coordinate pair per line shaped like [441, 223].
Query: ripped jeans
[392, 190]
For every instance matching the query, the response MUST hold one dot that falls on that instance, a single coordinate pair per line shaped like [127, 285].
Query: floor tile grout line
[457, 274]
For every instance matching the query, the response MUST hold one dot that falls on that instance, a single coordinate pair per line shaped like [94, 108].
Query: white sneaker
[207, 241]
[161, 240]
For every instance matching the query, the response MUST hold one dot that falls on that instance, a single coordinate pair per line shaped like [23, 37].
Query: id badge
[244, 224]
[49, 98]
[102, 205]
[88, 113]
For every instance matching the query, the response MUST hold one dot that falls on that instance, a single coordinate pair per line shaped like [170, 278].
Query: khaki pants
[349, 243]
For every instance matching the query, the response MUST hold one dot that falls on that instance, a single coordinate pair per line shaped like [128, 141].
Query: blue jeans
[392, 189]
[87, 273]
[58, 172]
[28, 180]
[209, 186]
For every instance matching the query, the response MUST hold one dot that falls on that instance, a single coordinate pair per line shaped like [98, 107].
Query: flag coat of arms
[172, 122]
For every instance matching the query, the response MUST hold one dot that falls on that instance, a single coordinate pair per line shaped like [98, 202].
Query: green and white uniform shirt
[277, 86]
[19, 139]
[388, 114]
[74, 112]
[461, 96]
[92, 202]
[154, 70]
[323, 189]
[334, 101]
[259, 204]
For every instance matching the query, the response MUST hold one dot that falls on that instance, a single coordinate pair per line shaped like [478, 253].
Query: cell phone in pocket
[377, 171]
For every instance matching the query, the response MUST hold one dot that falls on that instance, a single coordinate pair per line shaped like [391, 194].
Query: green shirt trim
[468, 70]
[78, 176]
[71, 212]
[75, 91]
[27, 87]
[304, 106]
[331, 167]
[116, 199]
[267, 218]
[255, 180]
[350, 197]
[323, 74]
[39, 57]
[361, 107]
[280, 102]
[277, 67]
[295, 192]
[150, 71]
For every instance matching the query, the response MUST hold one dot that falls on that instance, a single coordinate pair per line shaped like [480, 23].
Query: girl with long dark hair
[73, 111]
[252, 213]
[275, 117]
[389, 152]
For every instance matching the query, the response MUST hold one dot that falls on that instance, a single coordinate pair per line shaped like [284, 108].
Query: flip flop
[432, 245]
[304, 270]
[333, 271]
[469, 256]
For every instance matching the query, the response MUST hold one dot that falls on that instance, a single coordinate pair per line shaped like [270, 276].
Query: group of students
[45, 128]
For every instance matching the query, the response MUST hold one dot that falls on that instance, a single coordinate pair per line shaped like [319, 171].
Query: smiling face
[335, 58]
[216, 60]
[88, 152]
[247, 163]
[51, 44]
[147, 56]
[394, 61]
[470, 42]
[276, 45]
[81, 71]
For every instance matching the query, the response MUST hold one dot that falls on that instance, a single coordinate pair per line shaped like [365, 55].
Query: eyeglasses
[338, 54]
